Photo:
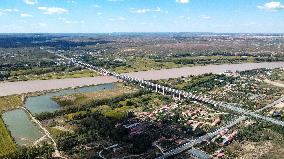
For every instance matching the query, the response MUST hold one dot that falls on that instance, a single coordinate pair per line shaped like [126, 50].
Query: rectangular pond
[22, 129]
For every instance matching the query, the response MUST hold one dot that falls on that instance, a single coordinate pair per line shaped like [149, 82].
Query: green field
[80, 99]
[134, 64]
[7, 146]
[24, 75]
[10, 102]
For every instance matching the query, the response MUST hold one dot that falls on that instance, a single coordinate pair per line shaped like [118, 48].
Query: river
[9, 88]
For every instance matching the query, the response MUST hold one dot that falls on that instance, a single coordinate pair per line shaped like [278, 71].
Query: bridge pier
[156, 88]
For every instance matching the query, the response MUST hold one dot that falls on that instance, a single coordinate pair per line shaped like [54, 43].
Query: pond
[22, 129]
[44, 103]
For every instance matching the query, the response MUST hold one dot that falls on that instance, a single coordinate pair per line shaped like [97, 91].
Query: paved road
[9, 88]
[194, 142]
[271, 105]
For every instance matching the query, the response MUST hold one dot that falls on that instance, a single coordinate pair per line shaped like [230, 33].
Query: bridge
[200, 139]
[181, 94]
[208, 136]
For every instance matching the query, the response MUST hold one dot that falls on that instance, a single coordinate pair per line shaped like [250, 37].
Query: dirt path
[45, 131]
[274, 83]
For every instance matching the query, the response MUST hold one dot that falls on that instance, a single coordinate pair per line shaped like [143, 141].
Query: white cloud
[5, 11]
[205, 17]
[64, 20]
[184, 17]
[182, 1]
[71, 1]
[10, 10]
[96, 6]
[31, 2]
[144, 10]
[52, 10]
[120, 18]
[74, 22]
[115, 0]
[26, 15]
[272, 6]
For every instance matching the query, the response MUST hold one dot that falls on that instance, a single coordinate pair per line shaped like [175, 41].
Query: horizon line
[139, 32]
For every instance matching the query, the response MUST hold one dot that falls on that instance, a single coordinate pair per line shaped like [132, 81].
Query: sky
[105, 16]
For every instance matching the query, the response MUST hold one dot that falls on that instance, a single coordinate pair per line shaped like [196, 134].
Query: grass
[58, 75]
[55, 132]
[10, 102]
[270, 148]
[143, 64]
[116, 113]
[7, 145]
[85, 98]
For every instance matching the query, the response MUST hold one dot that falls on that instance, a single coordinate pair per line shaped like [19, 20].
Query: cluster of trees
[260, 132]
[22, 73]
[185, 61]
[97, 121]
[44, 70]
[215, 58]
[113, 102]
[105, 63]
[95, 127]
[37, 40]
[201, 83]
[44, 151]
[207, 82]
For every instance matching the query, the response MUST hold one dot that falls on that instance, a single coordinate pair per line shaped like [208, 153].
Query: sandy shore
[9, 88]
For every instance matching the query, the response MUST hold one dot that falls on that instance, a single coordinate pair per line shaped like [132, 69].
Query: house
[216, 121]
[179, 141]
[223, 132]
[220, 155]
[131, 125]
[136, 130]
[195, 125]
[189, 122]
[229, 138]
